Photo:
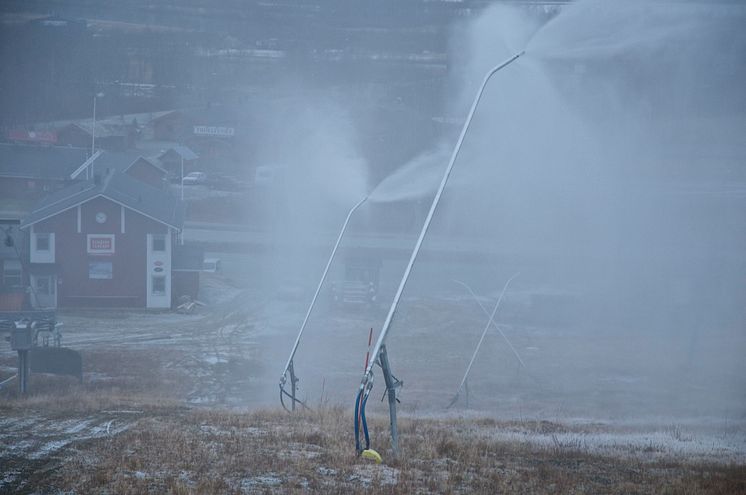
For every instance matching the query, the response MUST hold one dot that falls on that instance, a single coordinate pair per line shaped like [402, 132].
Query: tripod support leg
[392, 383]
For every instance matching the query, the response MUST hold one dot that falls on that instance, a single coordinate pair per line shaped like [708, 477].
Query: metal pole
[23, 369]
[391, 385]
[497, 327]
[7, 380]
[93, 129]
[481, 339]
[433, 206]
[283, 377]
[182, 177]
[293, 382]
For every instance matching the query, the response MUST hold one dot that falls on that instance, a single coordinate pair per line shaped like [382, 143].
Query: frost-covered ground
[600, 395]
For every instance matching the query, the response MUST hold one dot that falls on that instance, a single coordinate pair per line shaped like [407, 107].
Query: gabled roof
[40, 162]
[103, 130]
[120, 188]
[181, 151]
[152, 161]
[118, 161]
[14, 209]
[114, 121]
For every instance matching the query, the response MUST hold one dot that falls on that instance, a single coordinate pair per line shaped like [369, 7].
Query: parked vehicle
[194, 179]
[211, 265]
[360, 284]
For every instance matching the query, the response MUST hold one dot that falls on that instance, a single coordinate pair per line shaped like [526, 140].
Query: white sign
[211, 130]
[100, 270]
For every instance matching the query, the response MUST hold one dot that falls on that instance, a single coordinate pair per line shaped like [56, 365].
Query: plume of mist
[317, 173]
[416, 179]
[601, 164]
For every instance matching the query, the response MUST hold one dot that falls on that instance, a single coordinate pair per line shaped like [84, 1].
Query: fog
[600, 165]
[605, 166]
[518, 226]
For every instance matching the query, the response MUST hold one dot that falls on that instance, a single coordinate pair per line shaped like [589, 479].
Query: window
[11, 273]
[159, 242]
[42, 242]
[158, 285]
[101, 270]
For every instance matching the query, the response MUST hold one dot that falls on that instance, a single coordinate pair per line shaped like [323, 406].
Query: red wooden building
[106, 242]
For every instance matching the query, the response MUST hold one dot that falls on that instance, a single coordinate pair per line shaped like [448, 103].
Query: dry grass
[177, 450]
[139, 436]
[112, 380]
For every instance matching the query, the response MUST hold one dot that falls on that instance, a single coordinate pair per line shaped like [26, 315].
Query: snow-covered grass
[217, 451]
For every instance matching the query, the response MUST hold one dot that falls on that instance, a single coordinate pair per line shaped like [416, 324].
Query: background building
[104, 242]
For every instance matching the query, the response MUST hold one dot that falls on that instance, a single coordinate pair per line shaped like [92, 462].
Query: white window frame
[42, 255]
[153, 290]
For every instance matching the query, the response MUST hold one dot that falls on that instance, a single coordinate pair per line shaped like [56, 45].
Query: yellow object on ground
[372, 454]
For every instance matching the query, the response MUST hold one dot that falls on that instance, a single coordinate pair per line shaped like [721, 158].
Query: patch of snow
[48, 448]
[369, 474]
[650, 445]
[297, 450]
[250, 485]
[9, 477]
[214, 360]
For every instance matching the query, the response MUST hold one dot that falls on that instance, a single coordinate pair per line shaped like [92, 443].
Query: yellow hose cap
[372, 454]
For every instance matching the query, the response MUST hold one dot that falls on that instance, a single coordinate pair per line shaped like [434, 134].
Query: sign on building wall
[101, 270]
[42, 137]
[100, 243]
[211, 130]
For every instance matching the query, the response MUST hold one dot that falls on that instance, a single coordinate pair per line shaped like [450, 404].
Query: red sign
[48, 137]
[100, 244]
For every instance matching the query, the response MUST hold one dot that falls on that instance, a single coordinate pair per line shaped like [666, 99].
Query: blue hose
[357, 422]
[365, 422]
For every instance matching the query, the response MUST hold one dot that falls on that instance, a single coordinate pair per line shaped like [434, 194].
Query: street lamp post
[93, 128]
[182, 176]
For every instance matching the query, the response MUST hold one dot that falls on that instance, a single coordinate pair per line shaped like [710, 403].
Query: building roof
[181, 151]
[114, 121]
[122, 160]
[120, 188]
[103, 130]
[40, 162]
[107, 161]
[15, 208]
